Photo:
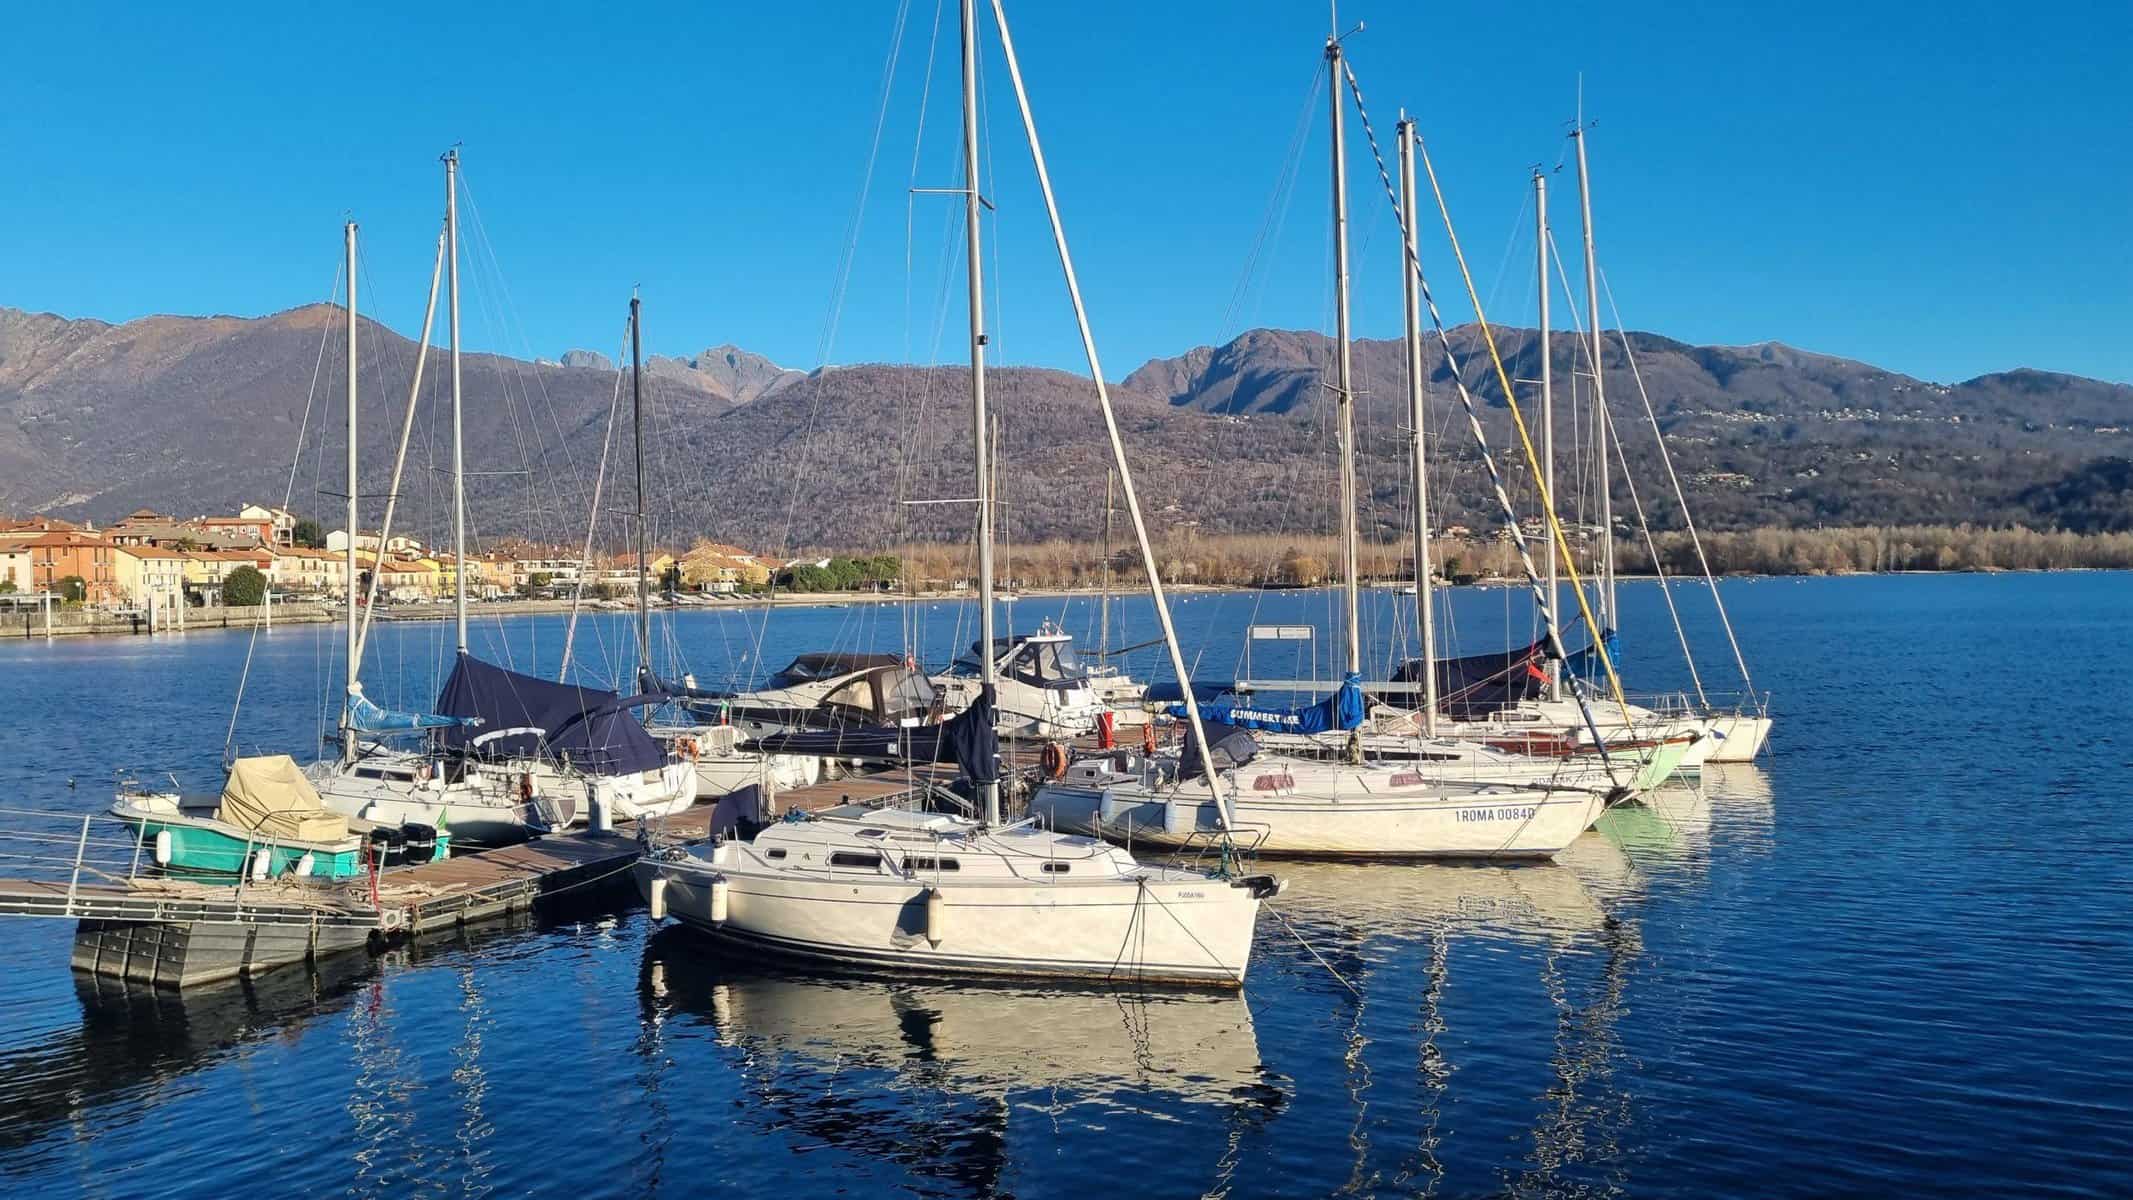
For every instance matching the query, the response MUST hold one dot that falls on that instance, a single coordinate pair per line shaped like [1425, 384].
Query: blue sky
[1944, 193]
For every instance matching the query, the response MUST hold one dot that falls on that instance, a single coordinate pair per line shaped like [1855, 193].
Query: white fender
[262, 861]
[164, 847]
[305, 865]
[936, 916]
[719, 899]
[656, 897]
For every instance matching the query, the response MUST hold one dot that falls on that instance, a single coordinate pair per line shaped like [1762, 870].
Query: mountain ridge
[198, 413]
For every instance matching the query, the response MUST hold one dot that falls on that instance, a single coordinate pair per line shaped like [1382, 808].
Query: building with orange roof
[61, 554]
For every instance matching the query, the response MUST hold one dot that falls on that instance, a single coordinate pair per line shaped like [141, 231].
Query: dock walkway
[176, 933]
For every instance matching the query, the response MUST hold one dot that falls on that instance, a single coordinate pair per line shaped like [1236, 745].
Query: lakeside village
[153, 566]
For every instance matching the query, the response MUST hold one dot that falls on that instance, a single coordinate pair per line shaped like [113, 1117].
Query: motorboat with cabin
[1044, 691]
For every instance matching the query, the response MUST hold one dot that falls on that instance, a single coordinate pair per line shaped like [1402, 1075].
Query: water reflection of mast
[1581, 1127]
[473, 1082]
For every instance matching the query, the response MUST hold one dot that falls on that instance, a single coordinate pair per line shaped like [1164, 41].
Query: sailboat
[1542, 721]
[1444, 803]
[909, 891]
[463, 774]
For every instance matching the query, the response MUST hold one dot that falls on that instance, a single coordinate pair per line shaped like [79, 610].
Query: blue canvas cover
[522, 716]
[1341, 710]
[366, 717]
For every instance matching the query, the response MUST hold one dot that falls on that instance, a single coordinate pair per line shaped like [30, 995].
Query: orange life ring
[1148, 738]
[1053, 760]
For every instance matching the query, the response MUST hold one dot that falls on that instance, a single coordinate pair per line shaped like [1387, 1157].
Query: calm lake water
[1893, 959]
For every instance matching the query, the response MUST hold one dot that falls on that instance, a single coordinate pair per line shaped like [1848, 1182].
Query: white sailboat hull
[1167, 927]
[488, 815]
[1737, 739]
[1325, 811]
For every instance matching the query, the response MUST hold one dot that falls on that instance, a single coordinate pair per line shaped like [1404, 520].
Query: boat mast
[1344, 394]
[1601, 431]
[644, 600]
[1547, 386]
[348, 736]
[1425, 615]
[973, 254]
[459, 460]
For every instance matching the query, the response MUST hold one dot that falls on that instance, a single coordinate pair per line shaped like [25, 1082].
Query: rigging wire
[229, 738]
[1602, 430]
[1667, 458]
[1518, 537]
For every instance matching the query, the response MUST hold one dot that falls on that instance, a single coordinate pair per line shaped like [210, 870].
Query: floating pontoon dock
[174, 933]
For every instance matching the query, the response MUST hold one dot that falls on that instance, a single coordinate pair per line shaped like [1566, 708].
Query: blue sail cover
[589, 728]
[1341, 710]
[365, 717]
[1478, 685]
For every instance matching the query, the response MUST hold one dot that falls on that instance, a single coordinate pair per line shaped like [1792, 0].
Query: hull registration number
[1496, 814]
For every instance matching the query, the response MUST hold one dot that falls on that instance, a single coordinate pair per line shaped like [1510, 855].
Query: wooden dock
[173, 933]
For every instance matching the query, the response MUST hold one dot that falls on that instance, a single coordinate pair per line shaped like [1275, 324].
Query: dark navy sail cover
[1475, 686]
[592, 729]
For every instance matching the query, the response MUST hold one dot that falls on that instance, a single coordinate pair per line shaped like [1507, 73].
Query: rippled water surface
[1891, 959]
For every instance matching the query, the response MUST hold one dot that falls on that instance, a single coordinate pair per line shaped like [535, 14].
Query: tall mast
[1425, 616]
[1547, 386]
[348, 736]
[1343, 391]
[644, 599]
[979, 431]
[1601, 432]
[459, 458]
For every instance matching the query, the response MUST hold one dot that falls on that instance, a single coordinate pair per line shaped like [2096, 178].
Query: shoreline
[28, 624]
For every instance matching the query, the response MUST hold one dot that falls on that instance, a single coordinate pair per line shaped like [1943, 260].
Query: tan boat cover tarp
[270, 796]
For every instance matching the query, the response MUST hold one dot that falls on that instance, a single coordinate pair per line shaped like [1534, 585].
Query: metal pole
[1547, 405]
[1425, 607]
[1343, 382]
[644, 601]
[973, 252]
[459, 460]
[1608, 616]
[80, 848]
[348, 737]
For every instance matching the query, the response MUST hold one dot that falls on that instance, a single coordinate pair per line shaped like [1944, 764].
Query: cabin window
[773, 854]
[1057, 868]
[915, 863]
[847, 858]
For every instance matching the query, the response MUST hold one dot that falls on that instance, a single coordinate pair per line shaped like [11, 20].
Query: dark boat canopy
[1480, 684]
[523, 716]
